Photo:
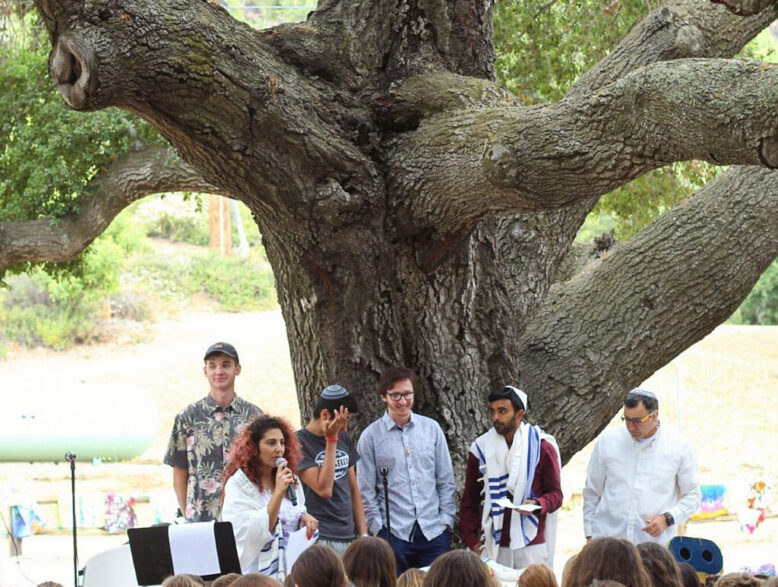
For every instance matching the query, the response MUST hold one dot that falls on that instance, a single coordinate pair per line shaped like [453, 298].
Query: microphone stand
[384, 474]
[71, 457]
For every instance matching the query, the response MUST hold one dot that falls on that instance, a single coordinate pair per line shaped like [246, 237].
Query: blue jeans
[418, 552]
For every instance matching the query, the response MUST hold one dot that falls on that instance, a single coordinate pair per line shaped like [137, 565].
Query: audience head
[411, 578]
[738, 580]
[537, 576]
[369, 562]
[256, 580]
[462, 568]
[319, 566]
[606, 558]
[660, 565]
[49, 584]
[183, 580]
[689, 576]
[226, 580]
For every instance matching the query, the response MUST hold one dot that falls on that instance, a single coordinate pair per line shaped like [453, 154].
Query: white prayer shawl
[260, 548]
[511, 470]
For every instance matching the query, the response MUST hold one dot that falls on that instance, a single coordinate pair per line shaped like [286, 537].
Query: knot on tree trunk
[500, 165]
[688, 40]
[72, 68]
[768, 151]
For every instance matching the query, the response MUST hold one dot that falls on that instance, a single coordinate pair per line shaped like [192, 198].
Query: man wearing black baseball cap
[202, 434]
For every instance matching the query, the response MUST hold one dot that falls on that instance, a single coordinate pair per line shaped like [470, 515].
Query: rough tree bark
[132, 176]
[415, 213]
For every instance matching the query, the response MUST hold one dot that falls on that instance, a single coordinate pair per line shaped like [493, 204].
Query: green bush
[180, 228]
[49, 152]
[58, 308]
[40, 309]
[238, 286]
[161, 276]
[129, 234]
[235, 285]
[761, 305]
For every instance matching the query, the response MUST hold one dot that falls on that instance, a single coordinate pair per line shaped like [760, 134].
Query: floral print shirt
[200, 443]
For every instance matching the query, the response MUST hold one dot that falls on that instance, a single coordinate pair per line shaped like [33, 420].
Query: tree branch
[228, 103]
[458, 168]
[134, 175]
[679, 29]
[610, 327]
[745, 7]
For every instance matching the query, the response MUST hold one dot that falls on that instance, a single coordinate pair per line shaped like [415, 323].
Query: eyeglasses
[396, 397]
[637, 421]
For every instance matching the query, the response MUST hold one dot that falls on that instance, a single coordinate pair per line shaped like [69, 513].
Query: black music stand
[153, 562]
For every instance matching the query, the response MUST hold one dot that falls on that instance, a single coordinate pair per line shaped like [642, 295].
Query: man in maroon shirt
[521, 465]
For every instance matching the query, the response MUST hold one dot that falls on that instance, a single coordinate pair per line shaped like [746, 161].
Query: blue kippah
[334, 392]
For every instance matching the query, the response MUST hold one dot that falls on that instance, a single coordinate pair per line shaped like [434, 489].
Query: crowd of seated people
[602, 562]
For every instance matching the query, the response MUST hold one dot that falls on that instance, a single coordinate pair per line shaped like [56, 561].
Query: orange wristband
[331, 439]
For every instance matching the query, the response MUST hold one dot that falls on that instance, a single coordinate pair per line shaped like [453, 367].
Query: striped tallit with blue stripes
[507, 470]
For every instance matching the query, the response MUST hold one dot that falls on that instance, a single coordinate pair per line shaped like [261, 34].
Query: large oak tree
[416, 213]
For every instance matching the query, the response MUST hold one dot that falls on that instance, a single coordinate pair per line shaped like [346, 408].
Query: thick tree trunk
[414, 213]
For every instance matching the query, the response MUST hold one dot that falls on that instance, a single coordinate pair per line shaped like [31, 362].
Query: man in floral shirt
[202, 434]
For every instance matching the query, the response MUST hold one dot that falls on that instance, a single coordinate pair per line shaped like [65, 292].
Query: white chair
[111, 568]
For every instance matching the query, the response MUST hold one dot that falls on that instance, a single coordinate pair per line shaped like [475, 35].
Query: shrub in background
[60, 307]
[761, 305]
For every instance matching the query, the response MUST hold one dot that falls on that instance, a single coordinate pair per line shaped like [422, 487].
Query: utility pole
[220, 225]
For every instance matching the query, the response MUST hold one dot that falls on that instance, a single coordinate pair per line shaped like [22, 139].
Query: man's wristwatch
[669, 519]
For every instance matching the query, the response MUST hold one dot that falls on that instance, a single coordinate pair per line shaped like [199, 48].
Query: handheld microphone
[70, 457]
[291, 494]
[384, 471]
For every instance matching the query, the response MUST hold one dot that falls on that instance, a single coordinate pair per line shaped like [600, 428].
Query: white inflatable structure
[113, 422]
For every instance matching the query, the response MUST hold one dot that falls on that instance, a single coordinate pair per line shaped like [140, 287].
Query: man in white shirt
[641, 481]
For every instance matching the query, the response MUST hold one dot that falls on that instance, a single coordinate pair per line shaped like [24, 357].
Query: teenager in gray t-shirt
[327, 470]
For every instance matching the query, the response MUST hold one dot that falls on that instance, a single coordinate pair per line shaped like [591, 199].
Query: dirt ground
[720, 394]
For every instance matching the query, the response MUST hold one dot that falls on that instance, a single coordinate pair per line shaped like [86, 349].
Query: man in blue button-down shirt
[414, 453]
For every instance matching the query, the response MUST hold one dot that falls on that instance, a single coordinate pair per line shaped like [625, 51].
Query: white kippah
[642, 392]
[521, 395]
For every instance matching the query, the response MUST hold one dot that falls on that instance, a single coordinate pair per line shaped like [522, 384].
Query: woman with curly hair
[258, 481]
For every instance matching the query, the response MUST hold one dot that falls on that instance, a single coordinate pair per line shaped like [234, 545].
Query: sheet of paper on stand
[193, 549]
